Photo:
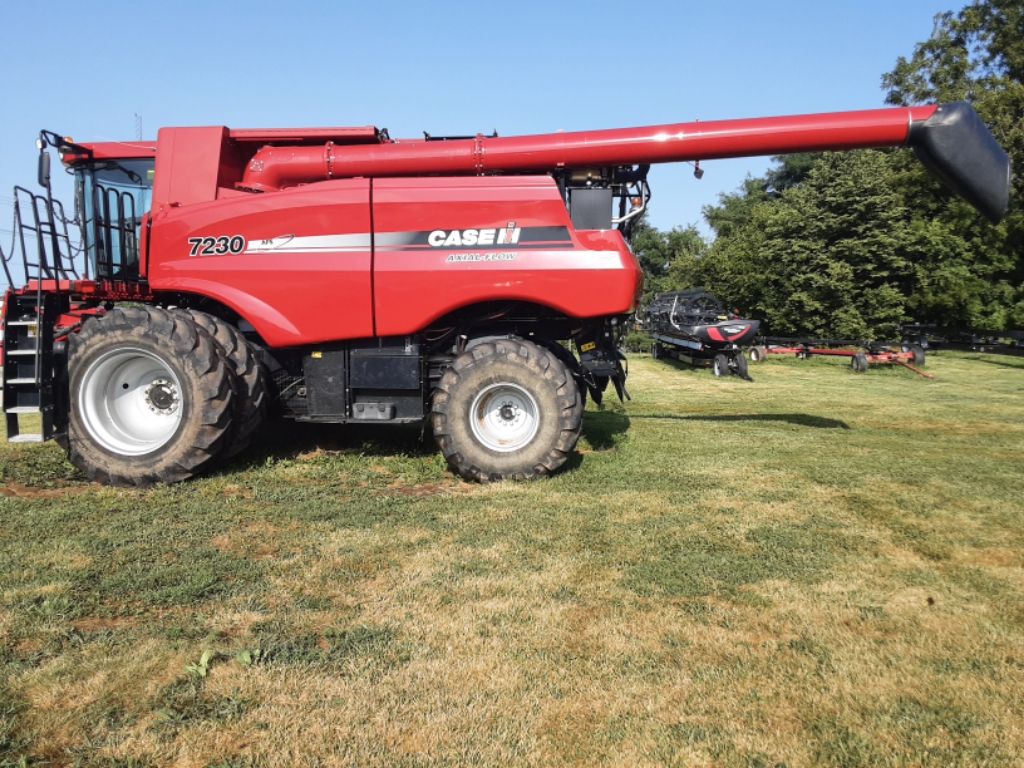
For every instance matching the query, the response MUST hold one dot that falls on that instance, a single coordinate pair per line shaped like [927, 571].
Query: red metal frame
[889, 357]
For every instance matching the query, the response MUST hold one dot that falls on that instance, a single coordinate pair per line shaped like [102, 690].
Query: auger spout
[951, 140]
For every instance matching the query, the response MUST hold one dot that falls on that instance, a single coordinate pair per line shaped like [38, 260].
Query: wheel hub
[505, 417]
[509, 413]
[162, 397]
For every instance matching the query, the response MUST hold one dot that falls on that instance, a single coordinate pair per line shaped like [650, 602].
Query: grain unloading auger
[950, 139]
[349, 277]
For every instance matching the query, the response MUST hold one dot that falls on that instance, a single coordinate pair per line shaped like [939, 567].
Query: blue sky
[85, 69]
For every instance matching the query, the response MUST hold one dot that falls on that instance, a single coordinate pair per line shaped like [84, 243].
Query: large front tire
[152, 397]
[506, 410]
[250, 381]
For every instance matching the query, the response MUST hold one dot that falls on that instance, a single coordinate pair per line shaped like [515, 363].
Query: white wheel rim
[130, 401]
[504, 417]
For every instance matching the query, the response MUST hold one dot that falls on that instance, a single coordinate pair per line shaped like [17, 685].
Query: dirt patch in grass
[995, 557]
[14, 488]
[236, 491]
[99, 623]
[254, 540]
[430, 489]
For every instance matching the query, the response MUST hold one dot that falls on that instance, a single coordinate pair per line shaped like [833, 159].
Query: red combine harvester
[345, 276]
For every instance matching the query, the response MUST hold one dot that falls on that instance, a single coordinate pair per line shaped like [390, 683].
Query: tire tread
[215, 380]
[250, 380]
[541, 362]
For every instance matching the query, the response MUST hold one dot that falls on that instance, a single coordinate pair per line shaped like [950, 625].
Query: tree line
[846, 244]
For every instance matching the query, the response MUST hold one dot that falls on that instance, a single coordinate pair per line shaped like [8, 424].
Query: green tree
[735, 207]
[831, 256]
[662, 255]
[789, 171]
[945, 263]
[975, 55]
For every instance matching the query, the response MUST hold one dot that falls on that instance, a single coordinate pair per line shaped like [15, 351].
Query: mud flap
[621, 372]
[601, 365]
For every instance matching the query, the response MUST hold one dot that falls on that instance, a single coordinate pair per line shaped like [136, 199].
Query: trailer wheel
[250, 381]
[758, 354]
[918, 351]
[656, 351]
[152, 397]
[720, 366]
[859, 362]
[506, 410]
[740, 363]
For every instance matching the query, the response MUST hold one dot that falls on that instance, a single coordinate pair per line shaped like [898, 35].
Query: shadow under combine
[797, 419]
[603, 428]
[1018, 364]
[286, 439]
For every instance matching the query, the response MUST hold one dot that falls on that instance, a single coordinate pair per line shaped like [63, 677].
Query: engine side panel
[303, 275]
[308, 265]
[444, 243]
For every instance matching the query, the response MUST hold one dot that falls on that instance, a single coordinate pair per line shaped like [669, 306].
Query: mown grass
[818, 568]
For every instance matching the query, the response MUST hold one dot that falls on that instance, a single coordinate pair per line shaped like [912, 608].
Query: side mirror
[44, 169]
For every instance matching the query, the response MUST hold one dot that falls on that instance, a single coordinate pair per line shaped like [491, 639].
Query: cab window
[112, 196]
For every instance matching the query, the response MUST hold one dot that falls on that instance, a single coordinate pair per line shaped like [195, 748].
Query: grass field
[818, 568]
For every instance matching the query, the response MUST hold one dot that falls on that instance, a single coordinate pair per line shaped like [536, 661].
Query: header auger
[346, 276]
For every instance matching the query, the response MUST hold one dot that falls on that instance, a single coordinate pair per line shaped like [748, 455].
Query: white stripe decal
[361, 242]
[310, 244]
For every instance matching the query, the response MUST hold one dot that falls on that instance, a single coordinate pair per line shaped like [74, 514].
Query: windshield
[112, 196]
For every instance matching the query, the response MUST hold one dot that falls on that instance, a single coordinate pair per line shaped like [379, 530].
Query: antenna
[138, 127]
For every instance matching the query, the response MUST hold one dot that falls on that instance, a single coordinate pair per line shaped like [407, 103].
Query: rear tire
[720, 365]
[506, 410]
[859, 362]
[152, 397]
[740, 363]
[250, 381]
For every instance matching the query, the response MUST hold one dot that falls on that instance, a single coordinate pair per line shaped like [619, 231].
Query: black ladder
[28, 366]
[41, 236]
